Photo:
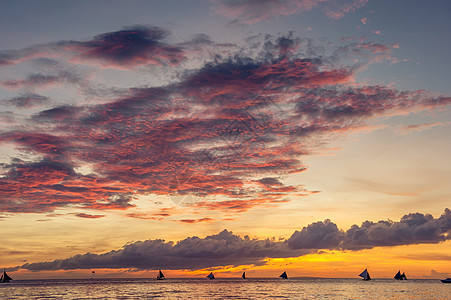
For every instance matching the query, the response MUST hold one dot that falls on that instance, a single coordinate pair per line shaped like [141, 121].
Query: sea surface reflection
[252, 288]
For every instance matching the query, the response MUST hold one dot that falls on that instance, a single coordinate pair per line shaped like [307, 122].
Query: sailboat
[365, 275]
[244, 275]
[400, 276]
[211, 276]
[160, 275]
[5, 278]
[284, 275]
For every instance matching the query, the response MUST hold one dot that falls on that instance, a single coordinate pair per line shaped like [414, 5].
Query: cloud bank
[226, 248]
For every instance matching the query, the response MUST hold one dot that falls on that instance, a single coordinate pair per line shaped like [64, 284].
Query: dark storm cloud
[225, 248]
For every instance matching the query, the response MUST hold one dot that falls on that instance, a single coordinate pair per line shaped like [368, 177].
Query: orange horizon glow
[382, 262]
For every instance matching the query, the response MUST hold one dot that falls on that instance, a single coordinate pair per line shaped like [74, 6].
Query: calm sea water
[225, 289]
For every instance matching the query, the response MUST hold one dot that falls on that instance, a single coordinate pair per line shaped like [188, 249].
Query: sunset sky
[312, 136]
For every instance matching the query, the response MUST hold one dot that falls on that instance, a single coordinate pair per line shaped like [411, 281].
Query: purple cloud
[128, 48]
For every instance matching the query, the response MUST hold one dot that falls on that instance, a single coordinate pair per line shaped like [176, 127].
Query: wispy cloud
[89, 216]
[253, 11]
[41, 80]
[191, 221]
[27, 100]
[420, 127]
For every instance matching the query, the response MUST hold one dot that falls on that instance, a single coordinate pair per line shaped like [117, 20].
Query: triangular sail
[160, 275]
[400, 276]
[365, 275]
[284, 275]
[244, 275]
[5, 277]
[211, 276]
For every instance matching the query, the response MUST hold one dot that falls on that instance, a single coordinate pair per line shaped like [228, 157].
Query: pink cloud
[421, 127]
[230, 129]
[250, 11]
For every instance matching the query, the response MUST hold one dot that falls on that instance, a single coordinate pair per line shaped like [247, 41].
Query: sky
[311, 136]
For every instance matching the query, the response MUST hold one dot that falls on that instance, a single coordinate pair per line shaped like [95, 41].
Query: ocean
[262, 288]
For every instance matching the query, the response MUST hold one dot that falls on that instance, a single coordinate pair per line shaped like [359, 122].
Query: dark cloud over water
[226, 248]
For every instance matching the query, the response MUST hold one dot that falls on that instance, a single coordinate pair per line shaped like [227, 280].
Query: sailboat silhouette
[365, 275]
[5, 278]
[211, 276]
[400, 276]
[160, 275]
[284, 275]
[244, 275]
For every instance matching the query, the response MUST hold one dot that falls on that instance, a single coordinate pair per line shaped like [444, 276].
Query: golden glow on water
[225, 288]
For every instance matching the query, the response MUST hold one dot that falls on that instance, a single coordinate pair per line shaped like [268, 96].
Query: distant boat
[244, 275]
[400, 276]
[284, 275]
[160, 275]
[211, 276]
[365, 275]
[447, 280]
[5, 278]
